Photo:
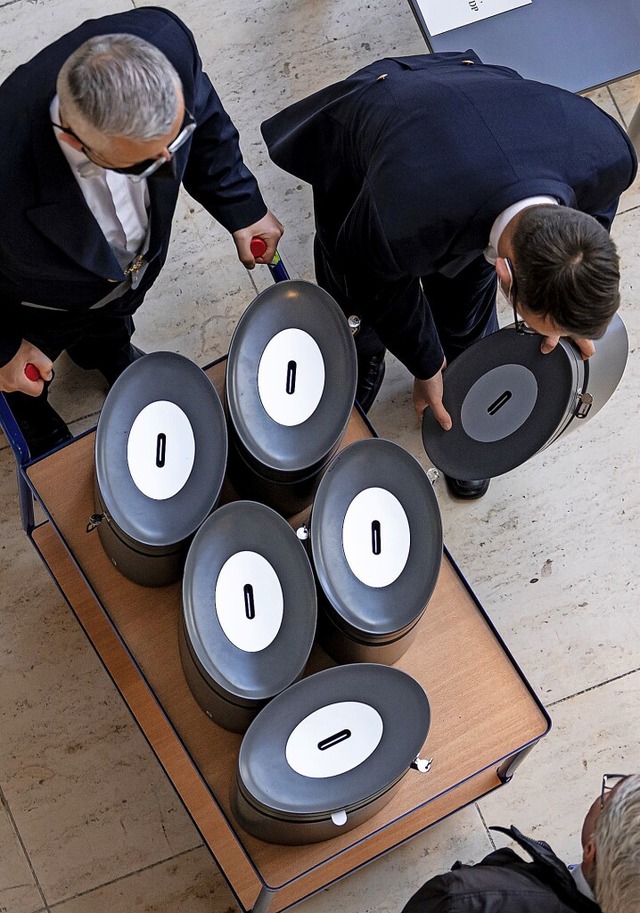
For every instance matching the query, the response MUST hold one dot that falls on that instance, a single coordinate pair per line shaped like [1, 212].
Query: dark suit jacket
[52, 251]
[411, 159]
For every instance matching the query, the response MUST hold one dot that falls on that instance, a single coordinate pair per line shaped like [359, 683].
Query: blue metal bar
[278, 269]
[22, 456]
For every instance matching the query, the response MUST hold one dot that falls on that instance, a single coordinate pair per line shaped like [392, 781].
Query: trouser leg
[368, 344]
[102, 341]
[370, 351]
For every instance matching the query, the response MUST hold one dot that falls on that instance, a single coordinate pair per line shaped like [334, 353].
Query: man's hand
[269, 229]
[13, 378]
[586, 346]
[427, 394]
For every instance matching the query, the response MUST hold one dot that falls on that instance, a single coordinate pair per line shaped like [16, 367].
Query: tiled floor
[88, 819]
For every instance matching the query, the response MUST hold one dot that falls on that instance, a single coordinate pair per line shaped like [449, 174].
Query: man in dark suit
[434, 178]
[100, 129]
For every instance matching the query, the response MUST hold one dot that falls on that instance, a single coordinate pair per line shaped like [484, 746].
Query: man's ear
[589, 860]
[70, 140]
[503, 272]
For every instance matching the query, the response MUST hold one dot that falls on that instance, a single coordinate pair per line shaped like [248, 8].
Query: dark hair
[567, 269]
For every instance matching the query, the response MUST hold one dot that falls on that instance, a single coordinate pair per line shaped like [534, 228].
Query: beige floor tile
[594, 733]
[626, 93]
[29, 27]
[87, 797]
[188, 883]
[18, 889]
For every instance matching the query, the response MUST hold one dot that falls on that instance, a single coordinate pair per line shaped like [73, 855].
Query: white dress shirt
[119, 205]
[581, 882]
[491, 251]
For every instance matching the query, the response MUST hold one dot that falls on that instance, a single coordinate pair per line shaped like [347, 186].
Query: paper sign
[444, 15]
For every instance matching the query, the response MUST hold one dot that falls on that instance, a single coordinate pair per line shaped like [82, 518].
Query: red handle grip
[257, 247]
[31, 372]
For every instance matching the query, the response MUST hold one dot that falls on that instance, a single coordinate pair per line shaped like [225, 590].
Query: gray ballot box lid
[508, 400]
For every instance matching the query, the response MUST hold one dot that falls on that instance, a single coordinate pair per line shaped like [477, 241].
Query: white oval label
[334, 739]
[291, 377]
[249, 601]
[376, 537]
[161, 450]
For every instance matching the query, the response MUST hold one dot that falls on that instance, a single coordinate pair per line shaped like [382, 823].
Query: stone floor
[88, 820]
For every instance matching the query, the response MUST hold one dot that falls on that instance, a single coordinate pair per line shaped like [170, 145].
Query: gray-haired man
[100, 129]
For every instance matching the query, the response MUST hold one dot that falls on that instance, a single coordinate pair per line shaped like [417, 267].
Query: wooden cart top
[482, 707]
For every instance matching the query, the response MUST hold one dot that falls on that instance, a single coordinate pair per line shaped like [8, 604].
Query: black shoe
[370, 377]
[42, 427]
[460, 488]
[113, 367]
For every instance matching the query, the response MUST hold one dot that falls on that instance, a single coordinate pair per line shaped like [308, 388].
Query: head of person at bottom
[611, 847]
[563, 273]
[121, 102]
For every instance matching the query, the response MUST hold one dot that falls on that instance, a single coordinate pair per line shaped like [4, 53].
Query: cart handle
[277, 267]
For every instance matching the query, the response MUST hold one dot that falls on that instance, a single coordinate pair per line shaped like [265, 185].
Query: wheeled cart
[484, 715]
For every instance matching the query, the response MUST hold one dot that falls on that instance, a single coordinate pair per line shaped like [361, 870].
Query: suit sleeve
[216, 175]
[392, 301]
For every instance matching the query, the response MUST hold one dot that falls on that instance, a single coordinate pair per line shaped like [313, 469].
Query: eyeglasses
[609, 782]
[141, 170]
[511, 296]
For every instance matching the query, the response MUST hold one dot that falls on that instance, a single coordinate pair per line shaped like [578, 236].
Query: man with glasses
[606, 881]
[99, 131]
[429, 174]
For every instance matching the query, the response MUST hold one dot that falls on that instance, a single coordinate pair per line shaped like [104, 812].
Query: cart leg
[264, 900]
[509, 766]
[21, 453]
[26, 502]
